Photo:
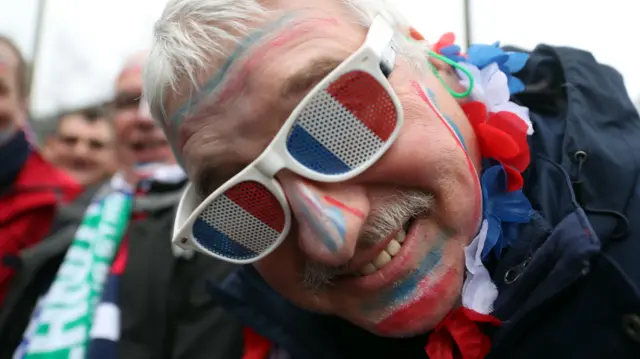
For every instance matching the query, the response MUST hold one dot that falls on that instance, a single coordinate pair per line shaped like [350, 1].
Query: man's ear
[439, 65]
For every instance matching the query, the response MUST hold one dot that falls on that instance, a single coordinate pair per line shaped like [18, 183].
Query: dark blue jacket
[569, 287]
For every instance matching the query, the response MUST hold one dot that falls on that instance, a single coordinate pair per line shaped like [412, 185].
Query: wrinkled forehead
[273, 33]
[217, 83]
[79, 125]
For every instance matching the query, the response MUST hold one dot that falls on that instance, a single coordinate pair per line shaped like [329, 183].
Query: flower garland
[501, 127]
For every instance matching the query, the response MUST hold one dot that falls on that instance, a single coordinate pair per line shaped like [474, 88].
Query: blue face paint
[334, 219]
[403, 290]
[447, 118]
[212, 84]
[322, 222]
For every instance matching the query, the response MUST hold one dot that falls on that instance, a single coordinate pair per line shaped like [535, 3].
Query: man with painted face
[391, 198]
[30, 188]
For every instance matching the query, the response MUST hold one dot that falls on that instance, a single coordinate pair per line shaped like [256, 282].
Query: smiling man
[361, 185]
[262, 83]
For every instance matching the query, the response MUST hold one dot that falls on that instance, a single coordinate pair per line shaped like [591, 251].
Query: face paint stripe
[401, 291]
[450, 122]
[418, 308]
[211, 85]
[294, 30]
[335, 202]
[320, 222]
[367, 101]
[470, 165]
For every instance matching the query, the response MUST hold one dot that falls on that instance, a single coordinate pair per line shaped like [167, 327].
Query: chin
[422, 314]
[417, 325]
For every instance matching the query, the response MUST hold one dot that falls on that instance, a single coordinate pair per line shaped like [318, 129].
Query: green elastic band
[457, 66]
[454, 64]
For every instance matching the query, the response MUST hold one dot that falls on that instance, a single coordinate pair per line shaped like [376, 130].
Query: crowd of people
[302, 179]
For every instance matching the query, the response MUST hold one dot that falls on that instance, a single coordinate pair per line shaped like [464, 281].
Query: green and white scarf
[61, 324]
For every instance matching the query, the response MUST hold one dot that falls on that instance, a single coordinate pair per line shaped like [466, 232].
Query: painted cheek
[407, 289]
[455, 133]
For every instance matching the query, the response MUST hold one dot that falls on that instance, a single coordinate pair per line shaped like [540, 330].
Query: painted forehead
[248, 51]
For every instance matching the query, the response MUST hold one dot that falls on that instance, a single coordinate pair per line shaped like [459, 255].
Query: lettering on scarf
[61, 328]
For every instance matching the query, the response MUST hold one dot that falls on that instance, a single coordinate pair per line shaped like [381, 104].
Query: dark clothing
[166, 310]
[569, 286]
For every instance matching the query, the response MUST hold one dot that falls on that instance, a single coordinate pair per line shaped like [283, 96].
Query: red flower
[415, 34]
[503, 137]
[445, 40]
[458, 336]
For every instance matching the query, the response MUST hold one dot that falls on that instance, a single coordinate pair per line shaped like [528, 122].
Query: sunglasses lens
[343, 125]
[241, 223]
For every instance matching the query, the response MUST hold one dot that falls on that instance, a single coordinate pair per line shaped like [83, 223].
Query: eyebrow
[303, 80]
[205, 182]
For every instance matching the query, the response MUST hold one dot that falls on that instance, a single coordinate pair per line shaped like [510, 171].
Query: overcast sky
[86, 41]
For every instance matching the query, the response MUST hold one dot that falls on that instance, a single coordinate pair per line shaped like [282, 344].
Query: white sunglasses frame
[375, 53]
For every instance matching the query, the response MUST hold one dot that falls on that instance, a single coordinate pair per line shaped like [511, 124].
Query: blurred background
[77, 47]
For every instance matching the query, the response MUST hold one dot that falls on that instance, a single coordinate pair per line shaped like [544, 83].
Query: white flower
[478, 291]
[491, 88]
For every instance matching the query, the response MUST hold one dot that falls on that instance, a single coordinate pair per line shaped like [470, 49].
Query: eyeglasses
[341, 128]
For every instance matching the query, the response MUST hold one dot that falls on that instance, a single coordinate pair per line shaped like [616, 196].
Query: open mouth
[147, 145]
[391, 250]
[393, 262]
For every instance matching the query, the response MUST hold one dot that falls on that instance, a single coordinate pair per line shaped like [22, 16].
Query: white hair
[192, 34]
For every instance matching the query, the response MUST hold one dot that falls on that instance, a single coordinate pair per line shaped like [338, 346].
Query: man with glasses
[390, 198]
[83, 145]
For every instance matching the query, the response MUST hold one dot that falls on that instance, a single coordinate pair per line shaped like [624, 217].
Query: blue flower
[509, 62]
[502, 210]
[452, 52]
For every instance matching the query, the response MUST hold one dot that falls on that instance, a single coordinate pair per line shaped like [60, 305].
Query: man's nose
[329, 218]
[143, 115]
[81, 149]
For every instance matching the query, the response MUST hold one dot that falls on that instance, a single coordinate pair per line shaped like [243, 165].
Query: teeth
[393, 247]
[383, 258]
[368, 269]
[386, 254]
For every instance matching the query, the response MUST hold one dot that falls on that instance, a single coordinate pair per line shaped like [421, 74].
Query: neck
[13, 155]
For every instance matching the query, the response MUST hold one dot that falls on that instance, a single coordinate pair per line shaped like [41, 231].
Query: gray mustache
[394, 211]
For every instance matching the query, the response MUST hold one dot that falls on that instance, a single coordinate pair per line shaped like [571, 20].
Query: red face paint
[334, 202]
[427, 303]
[472, 168]
[257, 55]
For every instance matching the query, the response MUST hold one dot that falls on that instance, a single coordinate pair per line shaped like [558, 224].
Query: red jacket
[28, 209]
